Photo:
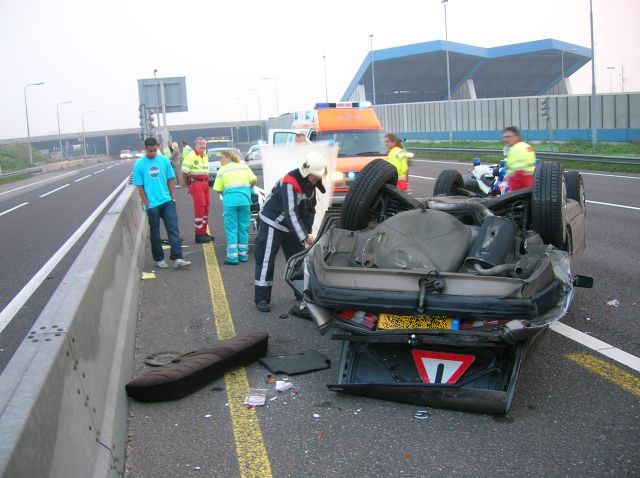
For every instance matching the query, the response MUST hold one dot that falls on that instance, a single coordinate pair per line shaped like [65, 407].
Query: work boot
[202, 239]
[262, 306]
[181, 264]
[230, 263]
[210, 236]
[301, 312]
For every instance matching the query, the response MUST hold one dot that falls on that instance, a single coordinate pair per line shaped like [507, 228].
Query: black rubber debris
[161, 358]
[294, 364]
[194, 370]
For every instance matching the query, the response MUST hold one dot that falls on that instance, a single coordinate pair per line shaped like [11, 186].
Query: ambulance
[354, 126]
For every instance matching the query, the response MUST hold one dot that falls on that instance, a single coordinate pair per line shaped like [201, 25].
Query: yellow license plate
[393, 321]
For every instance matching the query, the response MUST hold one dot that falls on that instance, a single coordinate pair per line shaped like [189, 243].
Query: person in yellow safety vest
[186, 149]
[167, 150]
[234, 182]
[399, 158]
[521, 160]
[195, 174]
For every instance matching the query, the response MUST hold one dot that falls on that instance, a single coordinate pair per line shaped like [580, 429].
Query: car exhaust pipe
[497, 270]
[479, 209]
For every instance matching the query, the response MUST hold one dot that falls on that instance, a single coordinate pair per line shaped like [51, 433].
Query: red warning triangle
[441, 367]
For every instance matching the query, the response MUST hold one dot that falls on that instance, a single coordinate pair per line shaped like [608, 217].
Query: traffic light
[142, 110]
[544, 107]
[150, 124]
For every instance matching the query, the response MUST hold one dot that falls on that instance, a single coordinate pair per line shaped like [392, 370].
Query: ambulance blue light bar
[344, 104]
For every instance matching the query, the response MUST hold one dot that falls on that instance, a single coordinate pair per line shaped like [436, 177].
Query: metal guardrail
[540, 154]
[19, 173]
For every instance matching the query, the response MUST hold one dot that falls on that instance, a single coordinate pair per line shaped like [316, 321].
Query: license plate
[393, 322]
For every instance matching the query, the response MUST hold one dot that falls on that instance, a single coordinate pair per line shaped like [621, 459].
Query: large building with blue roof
[418, 72]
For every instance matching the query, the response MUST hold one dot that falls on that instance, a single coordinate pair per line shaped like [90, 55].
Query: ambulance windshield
[356, 143]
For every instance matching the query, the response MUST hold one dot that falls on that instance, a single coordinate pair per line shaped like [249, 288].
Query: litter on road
[282, 386]
[148, 275]
[293, 364]
[256, 397]
[614, 303]
[421, 415]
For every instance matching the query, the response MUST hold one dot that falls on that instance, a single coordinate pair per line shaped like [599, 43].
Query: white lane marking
[48, 179]
[53, 191]
[614, 205]
[37, 182]
[438, 161]
[421, 177]
[21, 298]
[13, 208]
[99, 171]
[597, 345]
[109, 167]
[584, 173]
[83, 177]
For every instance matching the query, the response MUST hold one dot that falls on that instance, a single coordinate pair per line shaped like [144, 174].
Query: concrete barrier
[74, 163]
[63, 407]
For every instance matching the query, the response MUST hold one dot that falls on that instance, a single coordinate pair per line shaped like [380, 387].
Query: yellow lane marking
[616, 375]
[250, 449]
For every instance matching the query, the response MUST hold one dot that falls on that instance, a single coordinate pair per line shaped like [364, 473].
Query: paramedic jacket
[291, 206]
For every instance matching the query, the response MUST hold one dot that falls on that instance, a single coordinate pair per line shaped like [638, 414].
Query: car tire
[355, 214]
[575, 187]
[548, 204]
[448, 182]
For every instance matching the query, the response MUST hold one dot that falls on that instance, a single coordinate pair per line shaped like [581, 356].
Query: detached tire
[448, 182]
[548, 203]
[575, 187]
[355, 214]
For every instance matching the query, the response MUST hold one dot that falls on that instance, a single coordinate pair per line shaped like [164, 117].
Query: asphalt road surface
[576, 412]
[37, 217]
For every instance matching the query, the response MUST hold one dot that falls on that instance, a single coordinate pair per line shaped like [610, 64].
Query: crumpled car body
[439, 300]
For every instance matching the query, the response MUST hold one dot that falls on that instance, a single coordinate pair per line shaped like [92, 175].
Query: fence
[617, 118]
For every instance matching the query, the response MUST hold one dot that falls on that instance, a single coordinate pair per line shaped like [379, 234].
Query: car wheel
[448, 182]
[549, 203]
[365, 192]
[575, 187]
[471, 184]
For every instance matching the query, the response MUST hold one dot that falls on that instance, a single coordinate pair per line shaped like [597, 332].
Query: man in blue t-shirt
[154, 176]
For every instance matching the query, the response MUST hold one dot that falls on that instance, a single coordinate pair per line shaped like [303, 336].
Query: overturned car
[438, 300]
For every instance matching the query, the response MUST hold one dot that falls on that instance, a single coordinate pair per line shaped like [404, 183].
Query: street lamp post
[59, 131]
[26, 111]
[611, 68]
[446, 47]
[594, 137]
[373, 70]
[275, 85]
[326, 88]
[155, 76]
[84, 141]
[259, 102]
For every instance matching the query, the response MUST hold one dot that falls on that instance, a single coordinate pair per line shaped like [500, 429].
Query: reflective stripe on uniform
[265, 260]
[195, 164]
[292, 214]
[233, 175]
[275, 224]
[263, 283]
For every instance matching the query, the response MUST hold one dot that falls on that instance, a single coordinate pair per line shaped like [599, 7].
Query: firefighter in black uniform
[286, 220]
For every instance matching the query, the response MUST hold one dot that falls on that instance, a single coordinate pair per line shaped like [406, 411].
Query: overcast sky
[92, 52]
